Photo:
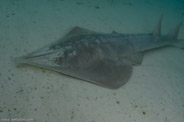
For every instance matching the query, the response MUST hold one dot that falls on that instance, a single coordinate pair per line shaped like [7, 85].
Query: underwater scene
[91, 61]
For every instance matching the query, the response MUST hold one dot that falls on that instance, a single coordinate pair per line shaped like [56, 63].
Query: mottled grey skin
[102, 59]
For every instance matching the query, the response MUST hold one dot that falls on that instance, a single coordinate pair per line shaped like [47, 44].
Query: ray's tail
[172, 36]
[179, 43]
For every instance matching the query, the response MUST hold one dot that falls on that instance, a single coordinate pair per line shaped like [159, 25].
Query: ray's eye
[53, 47]
[58, 60]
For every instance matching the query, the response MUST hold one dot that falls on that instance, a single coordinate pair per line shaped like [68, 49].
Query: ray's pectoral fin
[105, 73]
[79, 30]
[136, 59]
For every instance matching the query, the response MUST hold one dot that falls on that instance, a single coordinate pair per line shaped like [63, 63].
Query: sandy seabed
[153, 94]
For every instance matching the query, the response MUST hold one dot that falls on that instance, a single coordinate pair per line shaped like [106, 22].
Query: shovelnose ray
[103, 59]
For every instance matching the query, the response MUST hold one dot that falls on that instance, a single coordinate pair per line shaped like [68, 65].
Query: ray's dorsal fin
[173, 34]
[157, 29]
[79, 30]
[115, 32]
